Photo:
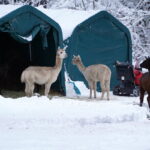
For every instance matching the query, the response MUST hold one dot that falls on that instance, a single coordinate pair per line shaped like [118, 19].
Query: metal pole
[30, 52]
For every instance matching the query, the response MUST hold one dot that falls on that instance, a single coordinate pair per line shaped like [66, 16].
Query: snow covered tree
[135, 14]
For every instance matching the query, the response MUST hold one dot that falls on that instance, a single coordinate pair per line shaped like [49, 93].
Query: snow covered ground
[62, 123]
[73, 124]
[38, 123]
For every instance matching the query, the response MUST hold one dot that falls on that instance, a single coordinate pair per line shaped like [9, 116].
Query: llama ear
[65, 48]
[79, 57]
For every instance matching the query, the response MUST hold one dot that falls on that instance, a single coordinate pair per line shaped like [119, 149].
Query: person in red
[137, 73]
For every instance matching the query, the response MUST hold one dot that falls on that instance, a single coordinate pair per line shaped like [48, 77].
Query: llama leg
[31, 89]
[90, 86]
[148, 100]
[103, 90]
[107, 84]
[102, 96]
[94, 88]
[47, 88]
[27, 89]
[107, 94]
[90, 93]
[142, 91]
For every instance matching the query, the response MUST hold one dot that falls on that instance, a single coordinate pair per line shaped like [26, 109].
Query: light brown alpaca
[42, 75]
[93, 74]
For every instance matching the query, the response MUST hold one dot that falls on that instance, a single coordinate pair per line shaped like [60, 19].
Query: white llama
[93, 74]
[42, 75]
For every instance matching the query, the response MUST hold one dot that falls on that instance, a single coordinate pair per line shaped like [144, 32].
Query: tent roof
[30, 9]
[113, 20]
[68, 19]
[104, 14]
[6, 16]
[73, 18]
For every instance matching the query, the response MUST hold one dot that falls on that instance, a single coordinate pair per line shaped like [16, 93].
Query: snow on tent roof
[67, 19]
[5, 9]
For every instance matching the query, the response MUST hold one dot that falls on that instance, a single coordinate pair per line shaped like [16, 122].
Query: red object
[137, 74]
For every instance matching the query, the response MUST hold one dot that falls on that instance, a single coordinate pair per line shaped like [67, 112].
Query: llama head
[65, 48]
[61, 53]
[146, 63]
[76, 60]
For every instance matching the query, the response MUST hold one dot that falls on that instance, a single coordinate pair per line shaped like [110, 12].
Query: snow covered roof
[5, 9]
[67, 19]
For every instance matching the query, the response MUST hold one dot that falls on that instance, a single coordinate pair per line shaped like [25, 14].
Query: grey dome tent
[27, 37]
[100, 39]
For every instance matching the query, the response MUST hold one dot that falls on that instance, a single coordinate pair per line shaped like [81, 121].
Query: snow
[68, 19]
[70, 124]
[5, 9]
[73, 122]
[28, 38]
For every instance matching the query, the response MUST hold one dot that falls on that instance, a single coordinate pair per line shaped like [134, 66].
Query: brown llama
[146, 63]
[145, 82]
[42, 75]
[93, 74]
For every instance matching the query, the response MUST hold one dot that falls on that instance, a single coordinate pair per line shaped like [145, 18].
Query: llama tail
[107, 78]
[23, 77]
[107, 84]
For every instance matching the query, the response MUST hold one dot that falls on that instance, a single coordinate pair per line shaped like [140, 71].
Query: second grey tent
[101, 39]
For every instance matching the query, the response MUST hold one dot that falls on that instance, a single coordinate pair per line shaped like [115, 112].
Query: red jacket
[137, 74]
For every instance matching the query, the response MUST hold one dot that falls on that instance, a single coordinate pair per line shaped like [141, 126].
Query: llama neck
[81, 67]
[58, 63]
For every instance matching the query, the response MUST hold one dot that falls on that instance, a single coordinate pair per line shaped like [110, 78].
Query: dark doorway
[16, 56]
